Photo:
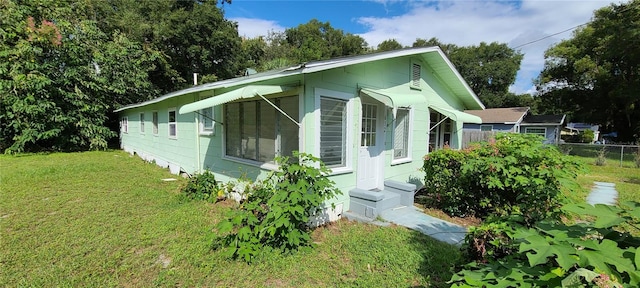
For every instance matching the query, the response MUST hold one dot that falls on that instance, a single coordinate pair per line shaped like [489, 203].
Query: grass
[626, 178]
[106, 219]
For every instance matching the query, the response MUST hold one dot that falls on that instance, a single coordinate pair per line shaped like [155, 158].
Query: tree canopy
[595, 75]
[65, 65]
[489, 69]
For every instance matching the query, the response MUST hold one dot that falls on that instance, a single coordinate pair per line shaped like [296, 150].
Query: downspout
[197, 121]
[197, 166]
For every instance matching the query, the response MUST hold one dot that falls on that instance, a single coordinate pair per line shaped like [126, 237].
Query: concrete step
[362, 219]
[389, 201]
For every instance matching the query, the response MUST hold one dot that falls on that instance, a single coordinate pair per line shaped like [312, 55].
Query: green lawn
[626, 178]
[106, 219]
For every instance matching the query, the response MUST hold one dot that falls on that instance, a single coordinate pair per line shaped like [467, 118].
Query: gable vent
[415, 75]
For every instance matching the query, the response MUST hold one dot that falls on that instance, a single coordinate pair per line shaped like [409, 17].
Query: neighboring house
[518, 120]
[369, 118]
[547, 126]
[575, 128]
[498, 119]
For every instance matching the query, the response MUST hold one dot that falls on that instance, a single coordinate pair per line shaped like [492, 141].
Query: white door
[370, 170]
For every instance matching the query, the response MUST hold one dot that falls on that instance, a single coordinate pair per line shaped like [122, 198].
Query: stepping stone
[603, 193]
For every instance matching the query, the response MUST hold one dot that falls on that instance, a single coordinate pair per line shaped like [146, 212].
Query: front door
[370, 151]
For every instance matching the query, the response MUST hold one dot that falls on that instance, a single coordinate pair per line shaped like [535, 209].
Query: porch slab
[412, 218]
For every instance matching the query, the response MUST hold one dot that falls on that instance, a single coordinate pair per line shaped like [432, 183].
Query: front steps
[367, 205]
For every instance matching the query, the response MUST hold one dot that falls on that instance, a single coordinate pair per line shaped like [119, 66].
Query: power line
[631, 6]
[549, 36]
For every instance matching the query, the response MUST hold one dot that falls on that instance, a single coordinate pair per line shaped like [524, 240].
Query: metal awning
[395, 100]
[241, 93]
[442, 107]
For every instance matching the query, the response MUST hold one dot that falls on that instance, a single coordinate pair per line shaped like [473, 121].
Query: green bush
[587, 136]
[514, 175]
[276, 215]
[202, 187]
[490, 241]
[587, 254]
[443, 183]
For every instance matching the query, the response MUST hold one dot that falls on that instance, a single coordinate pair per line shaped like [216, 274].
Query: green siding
[390, 73]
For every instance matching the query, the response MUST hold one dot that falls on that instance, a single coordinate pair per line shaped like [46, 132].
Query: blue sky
[463, 23]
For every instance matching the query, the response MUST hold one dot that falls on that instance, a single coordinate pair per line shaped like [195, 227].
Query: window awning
[241, 93]
[394, 100]
[442, 107]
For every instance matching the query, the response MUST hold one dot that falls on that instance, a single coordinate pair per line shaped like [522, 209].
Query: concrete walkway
[603, 193]
[411, 217]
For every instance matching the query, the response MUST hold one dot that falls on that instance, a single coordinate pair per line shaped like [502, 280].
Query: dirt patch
[164, 260]
[633, 180]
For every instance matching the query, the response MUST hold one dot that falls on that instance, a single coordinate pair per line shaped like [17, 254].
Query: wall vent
[415, 75]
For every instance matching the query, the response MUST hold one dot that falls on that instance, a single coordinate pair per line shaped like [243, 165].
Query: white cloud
[471, 22]
[253, 27]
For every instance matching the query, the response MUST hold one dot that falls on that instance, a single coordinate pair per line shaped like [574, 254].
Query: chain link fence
[625, 155]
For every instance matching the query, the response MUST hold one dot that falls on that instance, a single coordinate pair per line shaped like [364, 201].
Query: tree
[489, 69]
[192, 36]
[389, 45]
[317, 40]
[595, 75]
[60, 78]
[446, 48]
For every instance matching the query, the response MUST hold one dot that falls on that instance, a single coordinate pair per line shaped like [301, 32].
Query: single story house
[518, 120]
[574, 128]
[370, 118]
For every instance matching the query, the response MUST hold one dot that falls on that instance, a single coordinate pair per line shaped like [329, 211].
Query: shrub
[491, 240]
[443, 183]
[514, 175]
[586, 136]
[202, 187]
[601, 157]
[558, 255]
[276, 215]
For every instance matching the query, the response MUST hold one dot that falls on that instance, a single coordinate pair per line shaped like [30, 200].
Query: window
[124, 125]
[401, 133]
[536, 130]
[415, 75]
[254, 130]
[154, 121]
[486, 127]
[172, 124]
[206, 121]
[141, 122]
[333, 131]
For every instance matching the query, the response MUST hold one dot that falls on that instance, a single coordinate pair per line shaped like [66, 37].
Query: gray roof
[543, 119]
[511, 115]
[432, 55]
